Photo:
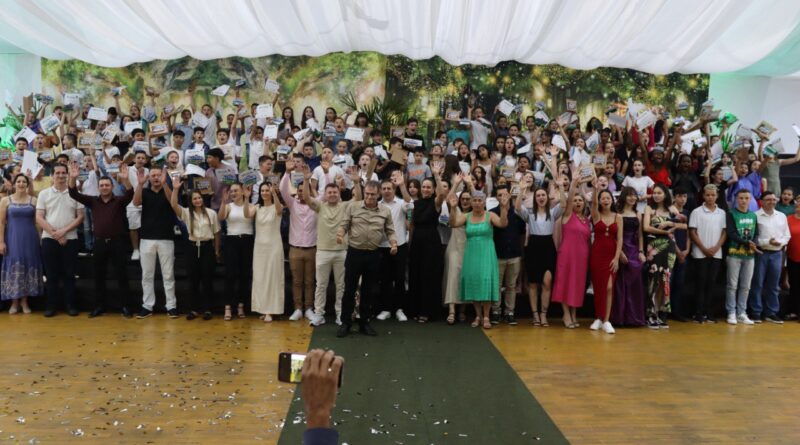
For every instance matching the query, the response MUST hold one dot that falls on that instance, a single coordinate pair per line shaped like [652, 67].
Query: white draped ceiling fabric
[757, 37]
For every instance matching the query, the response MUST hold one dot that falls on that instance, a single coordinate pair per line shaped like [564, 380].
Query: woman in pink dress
[573, 255]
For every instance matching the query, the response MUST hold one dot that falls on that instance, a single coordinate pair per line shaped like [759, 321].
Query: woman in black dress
[426, 255]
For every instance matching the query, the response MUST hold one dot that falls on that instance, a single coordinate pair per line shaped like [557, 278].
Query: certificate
[158, 130]
[192, 169]
[264, 111]
[97, 114]
[271, 86]
[130, 126]
[271, 131]
[220, 90]
[50, 123]
[199, 119]
[505, 107]
[572, 105]
[27, 134]
[141, 146]
[354, 134]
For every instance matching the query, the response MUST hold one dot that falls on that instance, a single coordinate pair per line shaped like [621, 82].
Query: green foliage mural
[391, 87]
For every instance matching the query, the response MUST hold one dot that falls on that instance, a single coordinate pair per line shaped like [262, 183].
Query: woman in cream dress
[454, 254]
[268, 279]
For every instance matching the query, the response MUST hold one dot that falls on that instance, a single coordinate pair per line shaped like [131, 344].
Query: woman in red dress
[604, 260]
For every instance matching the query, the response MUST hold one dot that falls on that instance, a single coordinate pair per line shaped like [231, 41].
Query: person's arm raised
[173, 201]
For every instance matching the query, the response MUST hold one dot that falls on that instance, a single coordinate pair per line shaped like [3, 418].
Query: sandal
[487, 324]
[241, 311]
[422, 320]
[267, 318]
[451, 318]
[544, 318]
[26, 310]
[476, 322]
[227, 316]
[13, 310]
[568, 324]
[536, 321]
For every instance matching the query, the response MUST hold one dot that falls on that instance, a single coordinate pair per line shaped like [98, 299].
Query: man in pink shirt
[302, 247]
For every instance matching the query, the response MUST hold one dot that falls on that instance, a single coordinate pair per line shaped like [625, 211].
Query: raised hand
[177, 182]
[74, 170]
[306, 172]
[452, 200]
[123, 174]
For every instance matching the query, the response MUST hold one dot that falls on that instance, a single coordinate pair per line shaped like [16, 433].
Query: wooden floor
[111, 380]
[158, 380]
[689, 384]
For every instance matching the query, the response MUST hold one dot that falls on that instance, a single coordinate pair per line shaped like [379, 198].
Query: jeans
[766, 282]
[393, 279]
[164, 250]
[740, 274]
[113, 251]
[509, 272]
[327, 261]
[59, 265]
[238, 253]
[706, 270]
[88, 230]
[364, 265]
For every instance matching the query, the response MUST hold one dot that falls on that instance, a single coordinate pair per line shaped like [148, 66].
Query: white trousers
[326, 261]
[164, 250]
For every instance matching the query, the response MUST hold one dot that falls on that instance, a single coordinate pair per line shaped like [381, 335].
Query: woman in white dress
[454, 254]
[268, 279]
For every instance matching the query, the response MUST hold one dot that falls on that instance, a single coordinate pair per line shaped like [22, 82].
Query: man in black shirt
[156, 240]
[508, 245]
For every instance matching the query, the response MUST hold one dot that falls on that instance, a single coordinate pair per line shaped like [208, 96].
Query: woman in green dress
[480, 280]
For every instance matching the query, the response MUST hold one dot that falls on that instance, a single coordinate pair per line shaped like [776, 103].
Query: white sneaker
[384, 315]
[745, 320]
[401, 316]
[296, 315]
[596, 324]
[607, 328]
[338, 319]
[318, 320]
[310, 315]
[731, 318]
[135, 256]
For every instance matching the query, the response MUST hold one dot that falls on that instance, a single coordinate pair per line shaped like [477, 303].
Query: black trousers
[705, 279]
[237, 251]
[677, 286]
[393, 279]
[364, 265]
[114, 251]
[200, 263]
[59, 266]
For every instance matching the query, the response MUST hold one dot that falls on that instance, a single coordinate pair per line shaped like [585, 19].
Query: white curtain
[657, 36]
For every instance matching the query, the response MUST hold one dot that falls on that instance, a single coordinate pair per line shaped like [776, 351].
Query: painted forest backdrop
[392, 87]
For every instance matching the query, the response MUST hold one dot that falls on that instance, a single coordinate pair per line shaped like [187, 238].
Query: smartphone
[290, 367]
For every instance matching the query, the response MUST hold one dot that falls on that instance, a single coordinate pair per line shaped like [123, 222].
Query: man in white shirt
[773, 235]
[59, 216]
[326, 173]
[707, 231]
[392, 297]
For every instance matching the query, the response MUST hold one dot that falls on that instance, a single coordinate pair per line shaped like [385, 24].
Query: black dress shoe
[207, 315]
[72, 312]
[50, 313]
[343, 331]
[366, 329]
[96, 312]
[126, 312]
[191, 315]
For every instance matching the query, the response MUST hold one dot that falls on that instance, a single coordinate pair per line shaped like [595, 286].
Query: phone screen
[290, 367]
[296, 367]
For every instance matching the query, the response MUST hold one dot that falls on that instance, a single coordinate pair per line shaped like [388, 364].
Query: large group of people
[489, 209]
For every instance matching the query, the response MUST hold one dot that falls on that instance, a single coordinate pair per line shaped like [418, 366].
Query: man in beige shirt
[330, 254]
[366, 223]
